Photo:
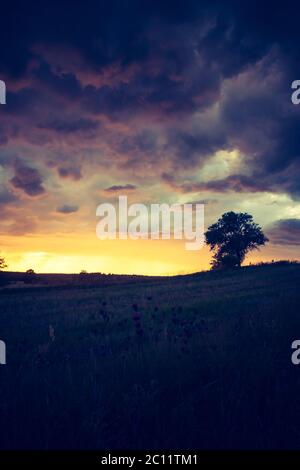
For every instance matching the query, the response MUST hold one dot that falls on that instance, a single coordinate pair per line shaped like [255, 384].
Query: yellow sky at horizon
[64, 254]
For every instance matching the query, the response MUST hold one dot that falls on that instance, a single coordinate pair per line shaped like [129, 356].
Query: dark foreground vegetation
[200, 361]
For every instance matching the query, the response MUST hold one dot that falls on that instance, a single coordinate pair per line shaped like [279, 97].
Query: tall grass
[191, 362]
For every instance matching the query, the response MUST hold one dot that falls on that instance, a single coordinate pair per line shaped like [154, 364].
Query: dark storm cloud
[73, 173]
[103, 31]
[191, 147]
[64, 84]
[138, 145]
[67, 209]
[207, 76]
[121, 187]
[27, 179]
[107, 31]
[22, 101]
[235, 183]
[285, 232]
[70, 126]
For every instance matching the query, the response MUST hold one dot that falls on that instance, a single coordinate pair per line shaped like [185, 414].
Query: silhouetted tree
[30, 276]
[3, 276]
[3, 264]
[30, 272]
[232, 237]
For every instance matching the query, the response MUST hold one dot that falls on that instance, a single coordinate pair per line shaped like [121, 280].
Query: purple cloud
[27, 179]
[120, 187]
[67, 209]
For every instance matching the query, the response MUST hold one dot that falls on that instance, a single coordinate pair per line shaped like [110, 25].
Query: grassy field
[201, 361]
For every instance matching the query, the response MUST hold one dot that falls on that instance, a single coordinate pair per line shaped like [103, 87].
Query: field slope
[200, 361]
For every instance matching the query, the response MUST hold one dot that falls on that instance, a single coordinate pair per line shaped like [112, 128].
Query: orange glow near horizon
[64, 254]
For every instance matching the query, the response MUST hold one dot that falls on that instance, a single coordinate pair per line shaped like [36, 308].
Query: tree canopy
[232, 237]
[3, 264]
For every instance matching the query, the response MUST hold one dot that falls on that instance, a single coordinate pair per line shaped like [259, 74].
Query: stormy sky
[182, 101]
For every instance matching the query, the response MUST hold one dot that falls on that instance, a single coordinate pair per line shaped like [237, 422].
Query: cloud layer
[181, 99]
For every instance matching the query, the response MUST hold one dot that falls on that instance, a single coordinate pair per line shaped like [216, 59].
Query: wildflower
[136, 317]
[140, 331]
[51, 333]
